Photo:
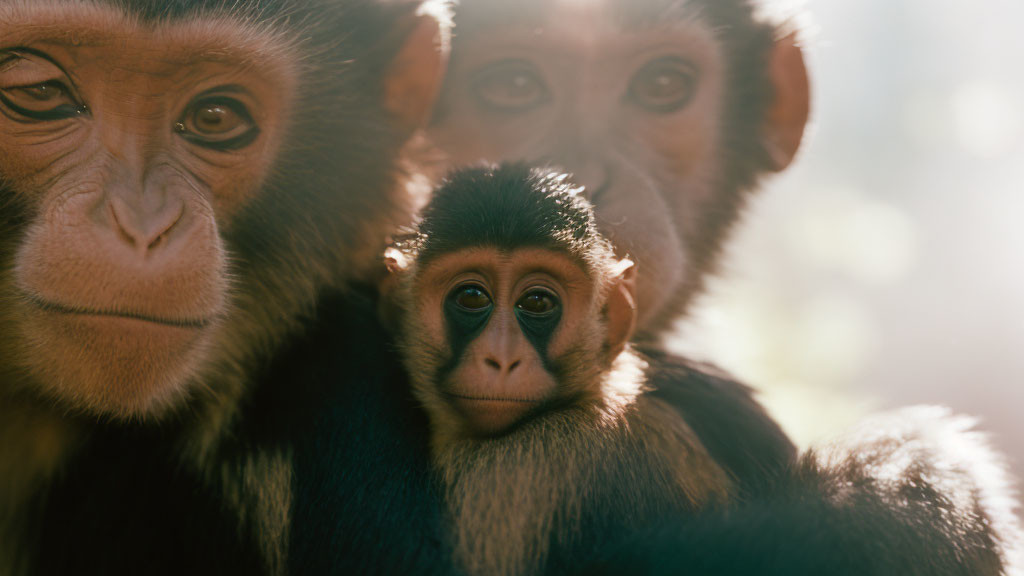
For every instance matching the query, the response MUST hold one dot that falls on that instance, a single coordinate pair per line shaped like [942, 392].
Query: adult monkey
[669, 111]
[181, 182]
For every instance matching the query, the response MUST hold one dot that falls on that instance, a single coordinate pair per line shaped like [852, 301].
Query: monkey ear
[395, 261]
[787, 116]
[414, 76]
[621, 307]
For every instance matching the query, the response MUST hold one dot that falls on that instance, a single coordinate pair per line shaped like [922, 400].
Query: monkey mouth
[188, 323]
[485, 415]
[455, 396]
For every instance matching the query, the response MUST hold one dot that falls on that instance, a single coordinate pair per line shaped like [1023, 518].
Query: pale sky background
[886, 268]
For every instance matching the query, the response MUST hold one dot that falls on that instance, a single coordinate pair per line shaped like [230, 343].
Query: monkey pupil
[43, 92]
[665, 86]
[510, 86]
[211, 118]
[472, 298]
[521, 88]
[537, 303]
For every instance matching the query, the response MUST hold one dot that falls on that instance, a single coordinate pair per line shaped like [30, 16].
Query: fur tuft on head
[510, 206]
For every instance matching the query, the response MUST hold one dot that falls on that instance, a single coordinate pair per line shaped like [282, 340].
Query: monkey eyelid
[8, 62]
[469, 284]
[497, 70]
[468, 277]
[543, 278]
[224, 89]
[60, 79]
[19, 52]
[60, 112]
[538, 288]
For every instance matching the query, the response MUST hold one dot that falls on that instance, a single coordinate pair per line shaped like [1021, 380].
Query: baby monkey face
[510, 320]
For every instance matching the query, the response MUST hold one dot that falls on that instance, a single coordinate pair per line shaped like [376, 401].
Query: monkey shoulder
[734, 428]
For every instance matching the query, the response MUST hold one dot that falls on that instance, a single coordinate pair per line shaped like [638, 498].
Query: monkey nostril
[120, 228]
[499, 366]
[144, 231]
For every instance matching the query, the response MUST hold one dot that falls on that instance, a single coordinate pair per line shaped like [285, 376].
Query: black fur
[735, 430]
[738, 434]
[506, 207]
[364, 503]
[815, 520]
[122, 507]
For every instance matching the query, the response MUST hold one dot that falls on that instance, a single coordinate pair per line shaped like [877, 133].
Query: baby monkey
[514, 325]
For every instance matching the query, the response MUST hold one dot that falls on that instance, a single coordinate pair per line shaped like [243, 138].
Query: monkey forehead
[580, 23]
[603, 50]
[503, 267]
[172, 43]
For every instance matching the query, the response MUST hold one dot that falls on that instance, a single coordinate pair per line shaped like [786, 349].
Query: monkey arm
[363, 500]
[915, 493]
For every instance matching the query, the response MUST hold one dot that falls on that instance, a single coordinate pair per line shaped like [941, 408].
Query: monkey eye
[471, 297]
[538, 302]
[510, 86]
[32, 87]
[219, 123]
[44, 101]
[663, 85]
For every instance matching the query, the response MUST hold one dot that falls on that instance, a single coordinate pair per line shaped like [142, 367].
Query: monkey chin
[118, 367]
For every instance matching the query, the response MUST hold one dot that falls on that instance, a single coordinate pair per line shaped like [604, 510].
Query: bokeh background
[886, 268]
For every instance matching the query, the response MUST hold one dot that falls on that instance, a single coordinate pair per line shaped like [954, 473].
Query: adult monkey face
[666, 110]
[135, 153]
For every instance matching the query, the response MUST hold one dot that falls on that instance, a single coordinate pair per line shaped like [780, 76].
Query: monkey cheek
[113, 366]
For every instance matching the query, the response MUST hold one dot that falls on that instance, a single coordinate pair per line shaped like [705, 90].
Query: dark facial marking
[539, 312]
[467, 309]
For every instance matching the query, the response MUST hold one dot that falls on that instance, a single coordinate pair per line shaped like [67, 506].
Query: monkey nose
[499, 366]
[143, 229]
